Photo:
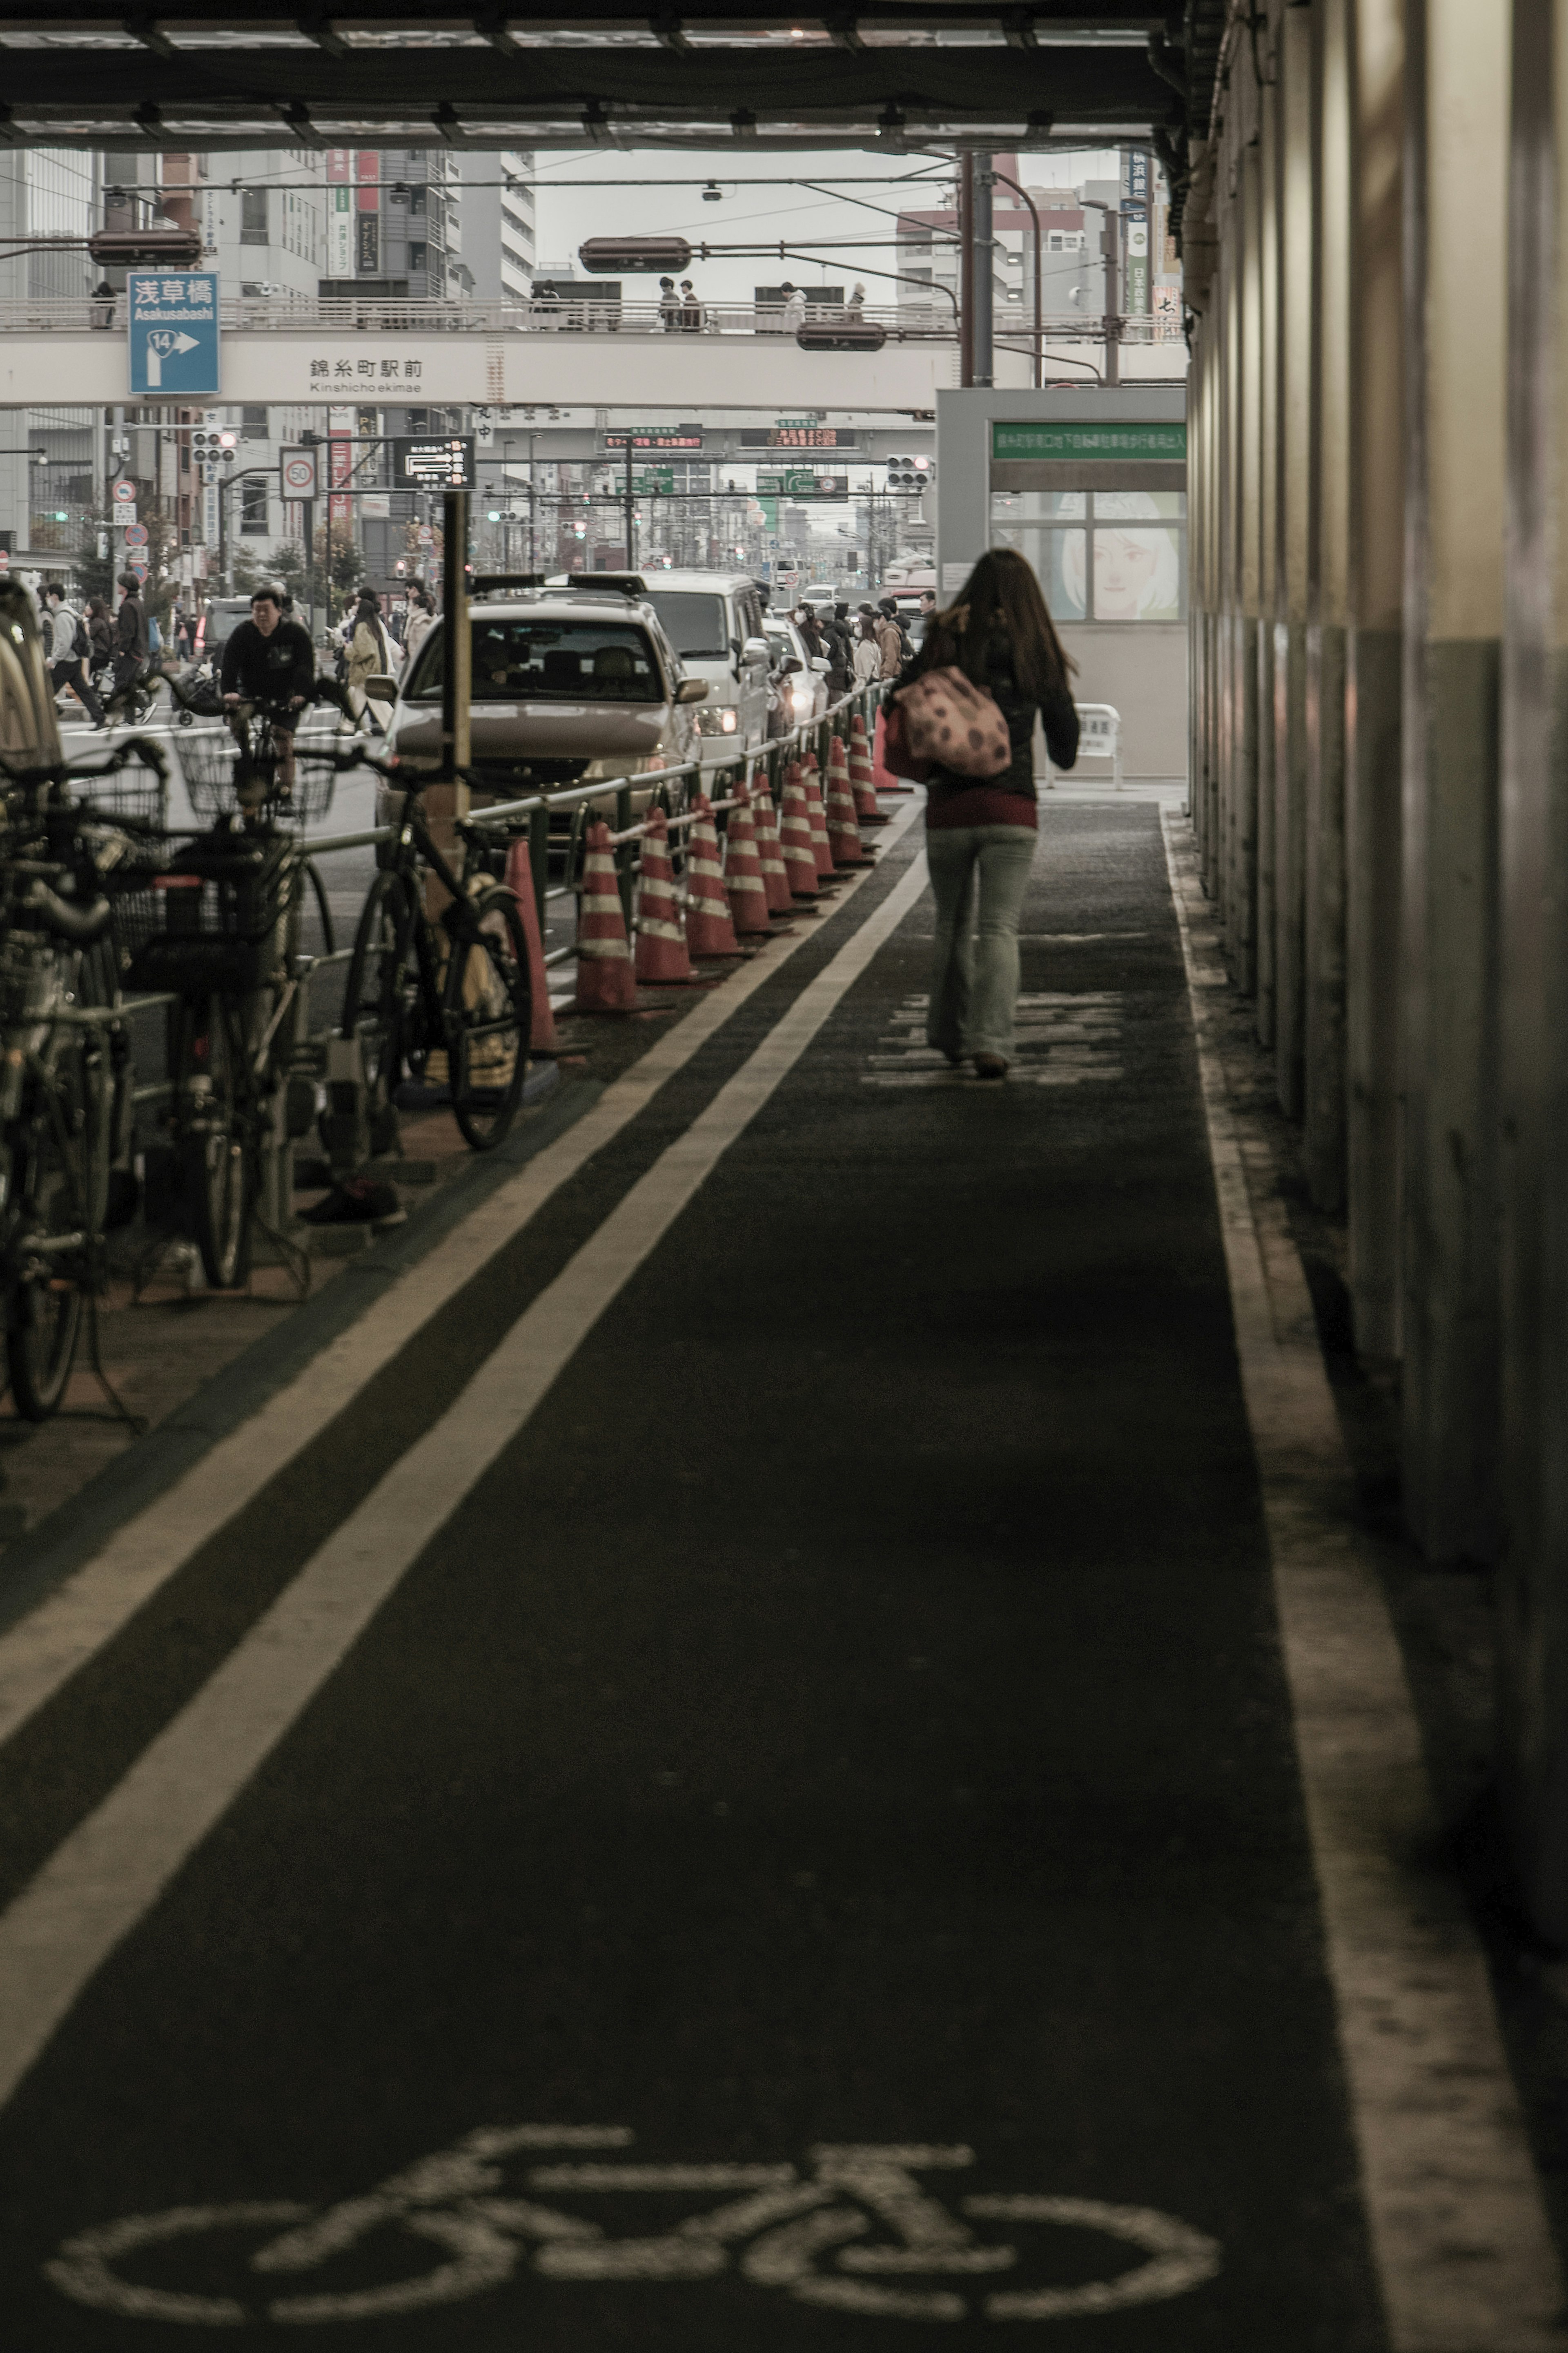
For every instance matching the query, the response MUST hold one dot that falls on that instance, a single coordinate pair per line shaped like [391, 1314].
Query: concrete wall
[1141, 672]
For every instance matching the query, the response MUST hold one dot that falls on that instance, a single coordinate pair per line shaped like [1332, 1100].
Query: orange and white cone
[882, 775]
[770, 854]
[866, 803]
[743, 870]
[821, 849]
[605, 982]
[518, 878]
[708, 929]
[661, 955]
[843, 828]
[795, 835]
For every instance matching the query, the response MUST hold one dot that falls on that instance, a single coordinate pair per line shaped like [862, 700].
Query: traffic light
[911, 473]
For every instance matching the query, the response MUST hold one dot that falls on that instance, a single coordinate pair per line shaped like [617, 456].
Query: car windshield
[519, 659]
[694, 624]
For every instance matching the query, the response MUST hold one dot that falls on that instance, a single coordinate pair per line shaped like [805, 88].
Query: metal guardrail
[273, 314]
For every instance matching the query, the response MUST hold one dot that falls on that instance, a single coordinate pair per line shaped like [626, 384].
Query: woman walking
[979, 832]
[370, 654]
[867, 653]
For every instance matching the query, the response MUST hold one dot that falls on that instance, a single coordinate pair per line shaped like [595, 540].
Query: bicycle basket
[219, 919]
[211, 763]
[315, 780]
[208, 757]
[131, 791]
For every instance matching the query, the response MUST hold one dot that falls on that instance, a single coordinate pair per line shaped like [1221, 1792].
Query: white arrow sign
[164, 342]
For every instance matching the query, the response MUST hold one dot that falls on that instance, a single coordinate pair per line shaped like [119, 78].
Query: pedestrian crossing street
[1063, 1039]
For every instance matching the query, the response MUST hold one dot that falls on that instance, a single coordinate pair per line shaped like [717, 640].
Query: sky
[873, 190]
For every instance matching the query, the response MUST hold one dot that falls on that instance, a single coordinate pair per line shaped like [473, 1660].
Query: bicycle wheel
[216, 1175]
[381, 974]
[488, 1014]
[59, 1175]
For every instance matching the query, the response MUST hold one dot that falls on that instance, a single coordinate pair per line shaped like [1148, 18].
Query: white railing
[307, 314]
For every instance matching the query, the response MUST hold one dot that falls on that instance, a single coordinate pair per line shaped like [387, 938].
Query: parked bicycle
[218, 930]
[438, 986]
[66, 1081]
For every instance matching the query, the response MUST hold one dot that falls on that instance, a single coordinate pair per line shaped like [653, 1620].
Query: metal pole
[1023, 197]
[966, 268]
[456, 669]
[984, 270]
[309, 507]
[631, 523]
[1111, 243]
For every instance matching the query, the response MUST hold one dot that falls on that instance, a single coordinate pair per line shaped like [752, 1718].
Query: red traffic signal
[612, 255]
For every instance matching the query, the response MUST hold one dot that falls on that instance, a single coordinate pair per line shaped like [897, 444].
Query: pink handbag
[953, 724]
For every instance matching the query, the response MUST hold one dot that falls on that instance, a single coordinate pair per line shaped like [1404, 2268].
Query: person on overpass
[794, 307]
[981, 830]
[69, 647]
[270, 662]
[668, 306]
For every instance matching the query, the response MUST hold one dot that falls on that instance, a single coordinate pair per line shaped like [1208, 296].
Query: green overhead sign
[1114, 440]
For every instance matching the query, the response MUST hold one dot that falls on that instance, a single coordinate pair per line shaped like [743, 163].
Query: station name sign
[1116, 439]
[428, 463]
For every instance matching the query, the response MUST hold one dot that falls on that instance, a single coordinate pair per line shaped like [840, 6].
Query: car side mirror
[692, 690]
[755, 650]
[820, 661]
[381, 689]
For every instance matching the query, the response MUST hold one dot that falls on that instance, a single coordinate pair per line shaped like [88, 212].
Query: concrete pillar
[1293, 54]
[1372, 660]
[1533, 979]
[1241, 925]
[1269, 401]
[1323, 1043]
[1456, 125]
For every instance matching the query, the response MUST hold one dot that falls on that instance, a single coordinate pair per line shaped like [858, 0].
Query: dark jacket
[270, 669]
[130, 631]
[995, 671]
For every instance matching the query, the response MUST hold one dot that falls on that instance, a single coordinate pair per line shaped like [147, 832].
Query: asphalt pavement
[810, 1849]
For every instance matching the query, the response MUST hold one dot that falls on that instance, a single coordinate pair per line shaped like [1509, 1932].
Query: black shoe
[357, 1201]
[990, 1066]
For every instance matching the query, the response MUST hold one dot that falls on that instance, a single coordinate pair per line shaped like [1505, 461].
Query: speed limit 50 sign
[296, 468]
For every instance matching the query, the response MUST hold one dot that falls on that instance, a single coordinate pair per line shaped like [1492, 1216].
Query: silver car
[568, 686]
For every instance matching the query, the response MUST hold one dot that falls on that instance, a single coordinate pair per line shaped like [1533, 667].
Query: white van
[715, 621]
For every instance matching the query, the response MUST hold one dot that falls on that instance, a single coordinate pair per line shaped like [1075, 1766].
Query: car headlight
[718, 719]
[802, 695]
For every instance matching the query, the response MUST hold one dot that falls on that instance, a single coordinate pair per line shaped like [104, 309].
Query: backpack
[154, 635]
[81, 644]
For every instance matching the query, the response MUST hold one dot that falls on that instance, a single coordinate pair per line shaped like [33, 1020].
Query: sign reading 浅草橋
[173, 329]
[1117, 437]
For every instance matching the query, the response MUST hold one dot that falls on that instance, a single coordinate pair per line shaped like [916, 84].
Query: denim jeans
[974, 976]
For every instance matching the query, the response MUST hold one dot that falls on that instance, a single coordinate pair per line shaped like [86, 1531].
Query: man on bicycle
[270, 661]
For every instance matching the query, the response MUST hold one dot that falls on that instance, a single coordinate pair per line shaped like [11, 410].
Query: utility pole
[983, 270]
[966, 268]
[631, 510]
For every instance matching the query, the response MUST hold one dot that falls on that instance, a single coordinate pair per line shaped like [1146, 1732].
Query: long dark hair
[1001, 598]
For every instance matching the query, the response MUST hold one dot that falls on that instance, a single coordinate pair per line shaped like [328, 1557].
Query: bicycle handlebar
[81, 925]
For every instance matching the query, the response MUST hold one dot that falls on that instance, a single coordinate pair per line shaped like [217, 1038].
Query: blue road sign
[174, 330]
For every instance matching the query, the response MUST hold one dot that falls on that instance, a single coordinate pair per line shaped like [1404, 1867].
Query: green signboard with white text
[1115, 439]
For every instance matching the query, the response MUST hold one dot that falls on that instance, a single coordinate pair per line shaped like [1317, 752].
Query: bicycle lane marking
[1464, 2255]
[109, 1873]
[44, 1649]
[450, 2201]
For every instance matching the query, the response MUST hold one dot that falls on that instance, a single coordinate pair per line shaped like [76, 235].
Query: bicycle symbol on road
[854, 2232]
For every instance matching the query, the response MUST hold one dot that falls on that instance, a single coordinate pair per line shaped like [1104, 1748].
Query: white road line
[1459, 2233]
[89, 1609]
[113, 1867]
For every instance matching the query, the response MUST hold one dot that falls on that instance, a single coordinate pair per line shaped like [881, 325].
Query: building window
[253, 509]
[253, 217]
[253, 425]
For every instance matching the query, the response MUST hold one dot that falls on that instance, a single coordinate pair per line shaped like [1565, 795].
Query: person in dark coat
[981, 831]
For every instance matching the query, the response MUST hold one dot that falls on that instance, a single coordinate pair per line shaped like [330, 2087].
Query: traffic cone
[883, 777]
[661, 955]
[866, 807]
[821, 847]
[743, 870]
[843, 829]
[770, 854]
[605, 982]
[708, 929]
[519, 880]
[795, 835]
